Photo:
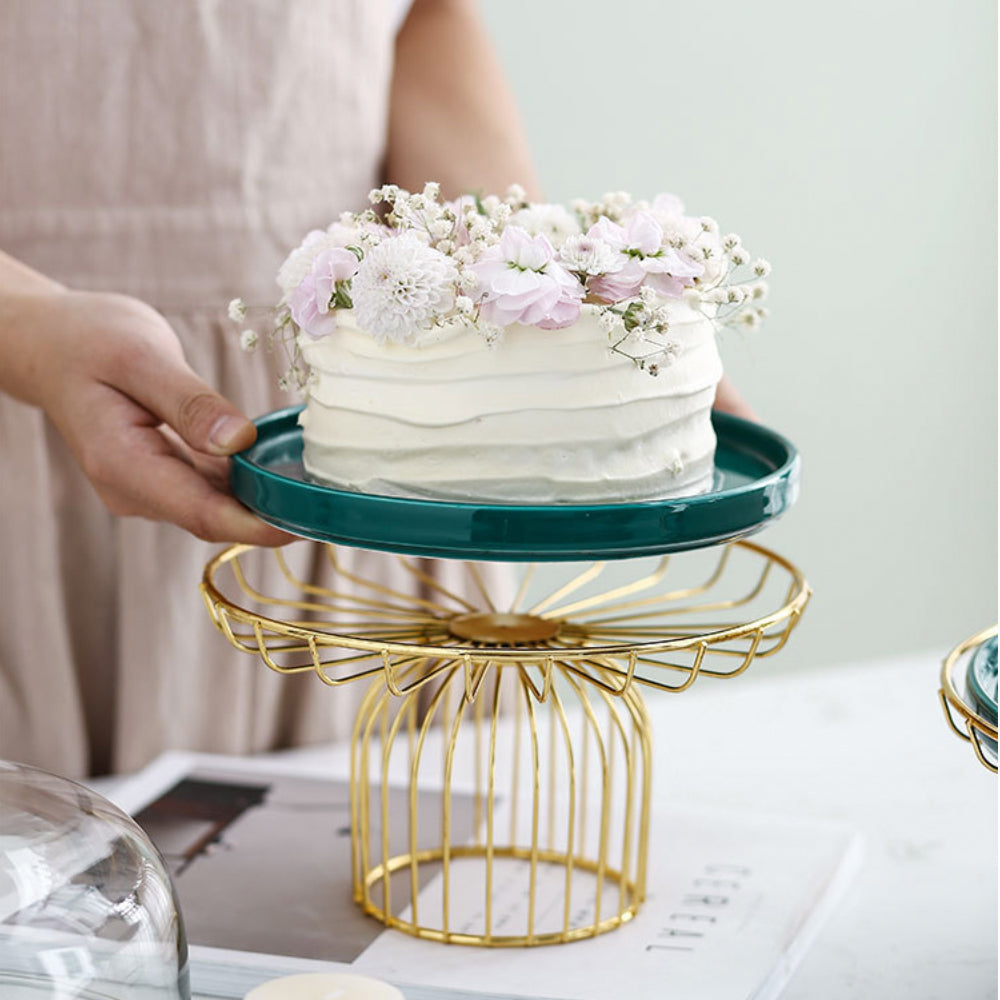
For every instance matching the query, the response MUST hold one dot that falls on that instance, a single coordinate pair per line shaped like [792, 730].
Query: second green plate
[756, 481]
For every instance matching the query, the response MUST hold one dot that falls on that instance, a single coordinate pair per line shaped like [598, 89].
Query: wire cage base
[552, 796]
[501, 755]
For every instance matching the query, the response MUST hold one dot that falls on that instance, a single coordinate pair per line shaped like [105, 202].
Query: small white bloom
[500, 215]
[739, 256]
[445, 246]
[432, 190]
[490, 332]
[478, 226]
[614, 204]
[516, 194]
[708, 225]
[730, 242]
[402, 286]
[759, 289]
[648, 295]
[608, 320]
[693, 297]
[589, 255]
[441, 228]
[237, 310]
[464, 304]
[750, 319]
[761, 268]
[248, 340]
[467, 280]
[387, 193]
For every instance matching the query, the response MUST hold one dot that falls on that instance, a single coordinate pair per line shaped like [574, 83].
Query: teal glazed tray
[756, 481]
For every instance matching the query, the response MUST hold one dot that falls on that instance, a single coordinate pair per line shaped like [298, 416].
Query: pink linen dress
[175, 152]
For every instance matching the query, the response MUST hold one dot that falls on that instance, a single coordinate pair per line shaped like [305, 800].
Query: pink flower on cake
[310, 303]
[642, 258]
[520, 281]
[402, 286]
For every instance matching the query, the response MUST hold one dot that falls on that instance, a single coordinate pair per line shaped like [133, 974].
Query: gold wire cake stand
[964, 716]
[528, 711]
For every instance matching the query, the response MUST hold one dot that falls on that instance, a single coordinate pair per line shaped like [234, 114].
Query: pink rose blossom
[309, 303]
[521, 282]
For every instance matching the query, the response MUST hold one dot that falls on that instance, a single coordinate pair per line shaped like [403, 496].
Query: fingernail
[225, 431]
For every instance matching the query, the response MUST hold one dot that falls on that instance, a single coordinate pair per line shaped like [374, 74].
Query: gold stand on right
[507, 748]
[959, 709]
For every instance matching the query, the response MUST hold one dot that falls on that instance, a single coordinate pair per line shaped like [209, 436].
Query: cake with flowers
[495, 350]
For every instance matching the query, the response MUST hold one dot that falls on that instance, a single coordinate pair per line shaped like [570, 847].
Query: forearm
[452, 116]
[25, 294]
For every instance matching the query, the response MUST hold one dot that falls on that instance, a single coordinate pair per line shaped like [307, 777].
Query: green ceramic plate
[756, 481]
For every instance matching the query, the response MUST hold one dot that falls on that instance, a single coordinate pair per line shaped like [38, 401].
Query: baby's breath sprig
[612, 205]
[638, 330]
[282, 337]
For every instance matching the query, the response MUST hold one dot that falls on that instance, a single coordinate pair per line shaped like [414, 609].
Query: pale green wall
[854, 145]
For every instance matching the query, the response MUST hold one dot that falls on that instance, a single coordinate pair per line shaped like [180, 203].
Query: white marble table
[865, 743]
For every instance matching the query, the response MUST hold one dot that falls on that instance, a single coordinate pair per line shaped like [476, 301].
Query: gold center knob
[496, 628]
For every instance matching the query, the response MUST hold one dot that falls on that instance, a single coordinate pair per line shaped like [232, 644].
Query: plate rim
[764, 443]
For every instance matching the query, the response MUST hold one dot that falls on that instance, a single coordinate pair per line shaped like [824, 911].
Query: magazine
[259, 850]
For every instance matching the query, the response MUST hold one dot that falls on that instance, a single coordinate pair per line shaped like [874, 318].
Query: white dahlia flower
[401, 287]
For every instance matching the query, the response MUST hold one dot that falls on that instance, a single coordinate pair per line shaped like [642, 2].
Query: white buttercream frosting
[544, 416]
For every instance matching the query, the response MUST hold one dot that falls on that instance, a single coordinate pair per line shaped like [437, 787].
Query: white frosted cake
[495, 350]
[544, 416]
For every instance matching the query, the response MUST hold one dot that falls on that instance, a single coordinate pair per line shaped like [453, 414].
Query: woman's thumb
[206, 421]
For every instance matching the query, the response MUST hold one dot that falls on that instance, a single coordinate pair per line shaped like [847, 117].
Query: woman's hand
[148, 433]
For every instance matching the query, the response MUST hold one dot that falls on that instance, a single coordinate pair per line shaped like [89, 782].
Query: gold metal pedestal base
[500, 769]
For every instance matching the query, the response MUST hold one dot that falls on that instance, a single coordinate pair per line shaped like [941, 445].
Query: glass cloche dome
[87, 908]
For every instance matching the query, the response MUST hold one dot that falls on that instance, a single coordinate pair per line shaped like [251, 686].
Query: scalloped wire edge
[975, 728]
[605, 675]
